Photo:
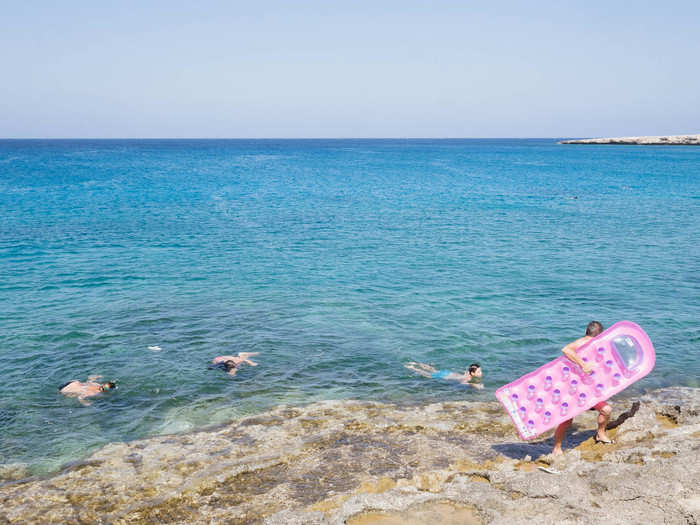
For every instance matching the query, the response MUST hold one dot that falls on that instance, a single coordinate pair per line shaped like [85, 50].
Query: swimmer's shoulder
[581, 341]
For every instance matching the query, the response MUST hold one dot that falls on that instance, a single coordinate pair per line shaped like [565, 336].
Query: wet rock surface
[361, 463]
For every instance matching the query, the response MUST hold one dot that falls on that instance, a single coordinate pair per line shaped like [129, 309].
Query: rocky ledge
[667, 140]
[368, 463]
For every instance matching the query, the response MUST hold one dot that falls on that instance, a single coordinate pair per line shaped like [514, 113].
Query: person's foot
[557, 451]
[604, 439]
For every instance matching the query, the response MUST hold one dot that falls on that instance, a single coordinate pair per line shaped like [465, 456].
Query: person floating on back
[471, 376]
[90, 388]
[593, 329]
[231, 363]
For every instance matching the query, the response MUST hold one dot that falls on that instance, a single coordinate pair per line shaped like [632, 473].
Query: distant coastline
[660, 140]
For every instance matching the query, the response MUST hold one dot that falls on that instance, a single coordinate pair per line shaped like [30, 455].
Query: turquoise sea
[337, 260]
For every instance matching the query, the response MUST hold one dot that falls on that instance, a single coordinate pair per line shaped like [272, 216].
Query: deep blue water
[337, 260]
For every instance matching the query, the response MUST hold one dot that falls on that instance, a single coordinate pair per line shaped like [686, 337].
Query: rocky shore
[667, 140]
[369, 463]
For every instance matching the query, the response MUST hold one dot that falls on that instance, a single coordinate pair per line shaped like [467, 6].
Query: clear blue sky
[348, 69]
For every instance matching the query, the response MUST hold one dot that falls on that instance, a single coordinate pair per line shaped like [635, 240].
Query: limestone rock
[660, 140]
[357, 462]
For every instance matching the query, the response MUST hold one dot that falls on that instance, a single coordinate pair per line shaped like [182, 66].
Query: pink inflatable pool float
[559, 390]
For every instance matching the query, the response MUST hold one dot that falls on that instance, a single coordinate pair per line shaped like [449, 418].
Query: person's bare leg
[418, 370]
[603, 418]
[559, 434]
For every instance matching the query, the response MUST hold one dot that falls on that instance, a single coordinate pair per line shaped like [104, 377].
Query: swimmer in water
[231, 363]
[90, 388]
[471, 376]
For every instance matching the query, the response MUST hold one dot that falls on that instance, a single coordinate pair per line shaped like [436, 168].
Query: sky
[332, 69]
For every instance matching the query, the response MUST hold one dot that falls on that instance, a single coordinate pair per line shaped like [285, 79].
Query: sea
[339, 261]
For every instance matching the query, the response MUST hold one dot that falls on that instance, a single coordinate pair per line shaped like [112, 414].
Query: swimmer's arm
[251, 363]
[570, 352]
[466, 380]
[224, 358]
[84, 401]
[92, 378]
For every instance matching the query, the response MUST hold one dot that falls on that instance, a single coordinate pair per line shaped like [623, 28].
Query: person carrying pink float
[592, 369]
[593, 329]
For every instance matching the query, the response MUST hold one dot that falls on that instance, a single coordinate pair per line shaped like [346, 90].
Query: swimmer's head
[475, 370]
[594, 328]
[224, 365]
[109, 385]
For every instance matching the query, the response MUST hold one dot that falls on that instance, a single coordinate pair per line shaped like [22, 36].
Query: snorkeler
[471, 376]
[231, 363]
[90, 388]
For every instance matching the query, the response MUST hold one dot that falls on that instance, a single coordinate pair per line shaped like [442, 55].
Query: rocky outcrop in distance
[661, 140]
[364, 463]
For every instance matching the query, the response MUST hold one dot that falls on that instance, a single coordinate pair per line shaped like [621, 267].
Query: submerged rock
[13, 471]
[361, 463]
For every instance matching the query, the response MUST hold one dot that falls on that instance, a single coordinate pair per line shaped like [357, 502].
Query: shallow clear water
[337, 260]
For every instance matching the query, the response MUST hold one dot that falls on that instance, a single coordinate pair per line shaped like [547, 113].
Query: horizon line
[284, 138]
